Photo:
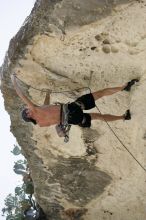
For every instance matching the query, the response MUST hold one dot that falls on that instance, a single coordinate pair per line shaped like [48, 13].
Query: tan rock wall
[97, 45]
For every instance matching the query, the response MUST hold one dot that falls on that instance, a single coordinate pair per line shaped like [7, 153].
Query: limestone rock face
[65, 45]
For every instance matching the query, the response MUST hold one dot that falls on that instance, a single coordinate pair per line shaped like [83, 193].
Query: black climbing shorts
[86, 101]
[76, 114]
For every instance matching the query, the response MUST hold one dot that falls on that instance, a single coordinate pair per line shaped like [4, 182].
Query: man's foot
[129, 84]
[127, 115]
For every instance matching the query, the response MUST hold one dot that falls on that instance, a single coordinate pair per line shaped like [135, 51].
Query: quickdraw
[63, 128]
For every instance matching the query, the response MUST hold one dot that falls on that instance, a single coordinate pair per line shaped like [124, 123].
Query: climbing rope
[120, 140]
[87, 87]
[46, 90]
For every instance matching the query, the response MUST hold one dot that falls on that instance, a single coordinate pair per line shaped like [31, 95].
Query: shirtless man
[47, 115]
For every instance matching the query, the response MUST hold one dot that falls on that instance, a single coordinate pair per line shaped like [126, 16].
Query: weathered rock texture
[69, 44]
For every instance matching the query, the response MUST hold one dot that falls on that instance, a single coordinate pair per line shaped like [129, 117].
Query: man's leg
[110, 91]
[106, 117]
[107, 91]
[86, 122]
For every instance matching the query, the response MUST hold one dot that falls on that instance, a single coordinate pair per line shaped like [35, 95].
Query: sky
[12, 16]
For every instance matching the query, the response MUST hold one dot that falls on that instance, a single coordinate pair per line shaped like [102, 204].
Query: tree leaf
[16, 150]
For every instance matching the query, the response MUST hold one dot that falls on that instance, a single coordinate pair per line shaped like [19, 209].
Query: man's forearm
[18, 90]
[20, 93]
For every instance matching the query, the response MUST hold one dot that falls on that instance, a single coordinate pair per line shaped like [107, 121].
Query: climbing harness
[65, 126]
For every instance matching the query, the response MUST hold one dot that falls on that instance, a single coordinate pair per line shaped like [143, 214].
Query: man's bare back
[47, 115]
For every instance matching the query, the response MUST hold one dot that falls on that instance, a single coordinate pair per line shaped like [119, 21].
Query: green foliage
[25, 204]
[29, 188]
[15, 217]
[18, 191]
[11, 202]
[20, 167]
[16, 204]
[16, 150]
[11, 208]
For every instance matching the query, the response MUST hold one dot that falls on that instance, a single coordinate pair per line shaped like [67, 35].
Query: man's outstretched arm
[20, 94]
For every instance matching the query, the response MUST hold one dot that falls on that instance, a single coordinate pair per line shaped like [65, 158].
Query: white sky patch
[12, 16]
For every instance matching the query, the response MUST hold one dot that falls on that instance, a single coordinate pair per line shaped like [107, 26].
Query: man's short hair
[25, 118]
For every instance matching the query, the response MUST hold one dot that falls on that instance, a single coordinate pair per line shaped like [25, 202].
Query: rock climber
[47, 115]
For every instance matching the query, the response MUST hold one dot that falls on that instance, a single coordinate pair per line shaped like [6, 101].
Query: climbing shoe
[129, 84]
[127, 115]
